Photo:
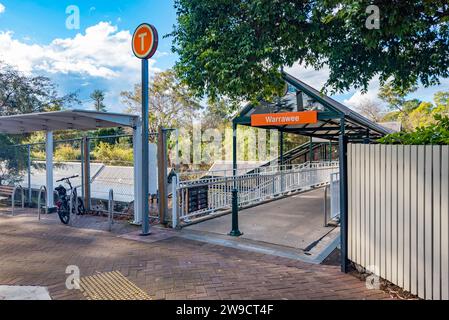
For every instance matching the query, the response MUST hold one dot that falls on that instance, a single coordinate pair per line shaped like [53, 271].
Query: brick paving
[37, 253]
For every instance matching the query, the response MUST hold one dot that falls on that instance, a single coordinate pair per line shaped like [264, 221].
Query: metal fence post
[343, 144]
[29, 175]
[111, 209]
[82, 168]
[86, 188]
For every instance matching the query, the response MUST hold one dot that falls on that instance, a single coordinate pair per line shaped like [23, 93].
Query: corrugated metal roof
[119, 179]
[60, 170]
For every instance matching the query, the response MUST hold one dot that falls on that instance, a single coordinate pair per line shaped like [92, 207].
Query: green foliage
[237, 48]
[97, 97]
[67, 152]
[172, 104]
[20, 93]
[437, 133]
[12, 160]
[118, 154]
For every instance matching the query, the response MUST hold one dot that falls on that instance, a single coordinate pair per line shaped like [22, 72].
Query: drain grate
[111, 286]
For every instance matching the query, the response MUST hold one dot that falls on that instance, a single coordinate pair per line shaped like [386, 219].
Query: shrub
[437, 133]
[67, 153]
[113, 154]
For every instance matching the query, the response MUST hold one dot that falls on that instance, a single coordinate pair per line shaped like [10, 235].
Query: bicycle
[63, 204]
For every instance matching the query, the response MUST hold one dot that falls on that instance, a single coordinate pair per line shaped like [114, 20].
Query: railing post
[325, 205]
[174, 201]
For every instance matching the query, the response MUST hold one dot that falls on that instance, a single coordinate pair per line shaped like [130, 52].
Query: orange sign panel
[284, 118]
[145, 41]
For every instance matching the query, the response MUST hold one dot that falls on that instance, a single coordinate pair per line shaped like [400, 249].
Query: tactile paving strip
[111, 286]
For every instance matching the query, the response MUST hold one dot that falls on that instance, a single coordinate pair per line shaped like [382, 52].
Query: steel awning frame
[65, 120]
[357, 127]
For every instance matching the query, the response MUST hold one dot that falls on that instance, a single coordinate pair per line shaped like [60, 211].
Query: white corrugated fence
[398, 215]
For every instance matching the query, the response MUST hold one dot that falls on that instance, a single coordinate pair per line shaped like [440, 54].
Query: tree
[12, 160]
[237, 47]
[98, 97]
[171, 104]
[20, 93]
[371, 109]
[435, 133]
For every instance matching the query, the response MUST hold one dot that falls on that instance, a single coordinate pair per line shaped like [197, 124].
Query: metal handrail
[13, 198]
[252, 188]
[111, 209]
[42, 188]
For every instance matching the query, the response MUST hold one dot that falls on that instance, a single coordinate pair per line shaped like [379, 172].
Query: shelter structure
[79, 120]
[331, 120]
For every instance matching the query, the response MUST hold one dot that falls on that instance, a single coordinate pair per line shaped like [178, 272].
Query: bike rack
[13, 198]
[71, 204]
[42, 188]
[111, 209]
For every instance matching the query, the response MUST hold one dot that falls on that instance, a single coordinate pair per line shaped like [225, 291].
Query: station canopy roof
[302, 97]
[65, 120]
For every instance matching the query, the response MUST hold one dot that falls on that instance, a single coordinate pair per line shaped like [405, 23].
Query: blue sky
[34, 38]
[37, 27]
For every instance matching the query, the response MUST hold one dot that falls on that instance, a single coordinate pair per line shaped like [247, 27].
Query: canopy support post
[137, 146]
[343, 145]
[49, 168]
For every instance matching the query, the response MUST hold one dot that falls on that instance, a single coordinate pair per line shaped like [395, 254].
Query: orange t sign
[145, 41]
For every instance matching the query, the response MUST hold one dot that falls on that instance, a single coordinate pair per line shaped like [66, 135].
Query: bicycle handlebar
[63, 179]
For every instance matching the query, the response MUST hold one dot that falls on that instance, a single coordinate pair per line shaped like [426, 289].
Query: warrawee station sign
[284, 118]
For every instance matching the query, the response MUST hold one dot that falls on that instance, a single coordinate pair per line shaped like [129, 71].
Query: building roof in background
[395, 126]
[65, 120]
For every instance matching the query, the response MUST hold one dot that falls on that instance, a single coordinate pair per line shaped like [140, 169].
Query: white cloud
[358, 98]
[102, 51]
[2, 8]
[312, 77]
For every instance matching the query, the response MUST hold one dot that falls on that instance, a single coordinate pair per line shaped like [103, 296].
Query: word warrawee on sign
[284, 118]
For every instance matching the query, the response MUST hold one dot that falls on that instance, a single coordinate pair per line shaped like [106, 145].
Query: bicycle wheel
[80, 206]
[64, 214]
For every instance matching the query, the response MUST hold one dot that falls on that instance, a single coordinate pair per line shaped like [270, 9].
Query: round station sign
[145, 41]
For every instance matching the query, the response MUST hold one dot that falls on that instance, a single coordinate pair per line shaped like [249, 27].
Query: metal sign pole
[145, 173]
[144, 45]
